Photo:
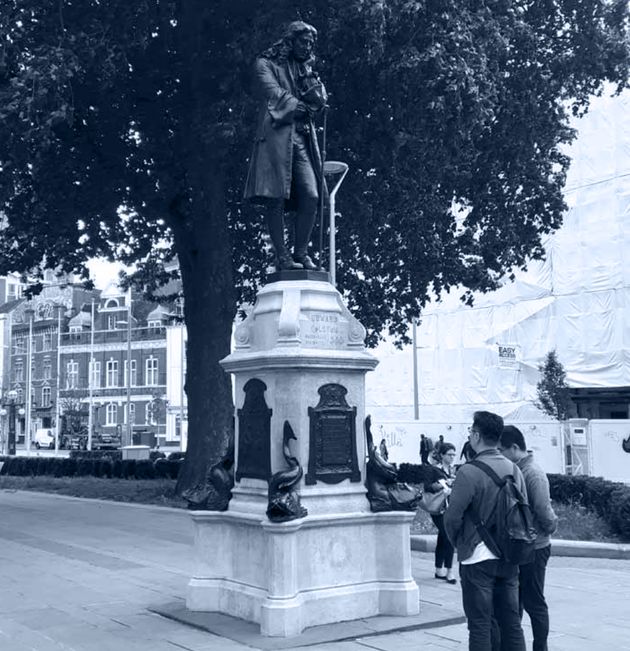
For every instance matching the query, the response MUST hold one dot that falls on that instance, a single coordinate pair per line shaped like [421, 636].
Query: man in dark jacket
[285, 166]
[489, 584]
[532, 575]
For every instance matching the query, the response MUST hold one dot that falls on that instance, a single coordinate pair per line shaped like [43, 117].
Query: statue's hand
[316, 97]
[301, 110]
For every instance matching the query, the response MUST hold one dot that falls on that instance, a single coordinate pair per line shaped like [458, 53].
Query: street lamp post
[59, 310]
[129, 425]
[332, 168]
[12, 397]
[29, 313]
[91, 365]
[129, 433]
[3, 415]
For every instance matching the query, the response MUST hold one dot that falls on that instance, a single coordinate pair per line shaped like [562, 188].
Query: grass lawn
[142, 491]
[574, 523]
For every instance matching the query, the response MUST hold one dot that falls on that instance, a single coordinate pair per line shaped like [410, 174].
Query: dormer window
[75, 331]
[111, 303]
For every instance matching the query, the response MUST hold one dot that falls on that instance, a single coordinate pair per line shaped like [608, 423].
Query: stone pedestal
[299, 357]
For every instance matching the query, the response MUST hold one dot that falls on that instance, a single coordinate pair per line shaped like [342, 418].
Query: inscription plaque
[333, 444]
[254, 430]
[323, 330]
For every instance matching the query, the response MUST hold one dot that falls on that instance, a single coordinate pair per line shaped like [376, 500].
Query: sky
[102, 272]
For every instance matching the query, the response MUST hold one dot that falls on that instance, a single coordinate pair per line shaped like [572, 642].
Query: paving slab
[82, 575]
[431, 616]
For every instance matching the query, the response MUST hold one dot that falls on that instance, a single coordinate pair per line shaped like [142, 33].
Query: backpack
[509, 532]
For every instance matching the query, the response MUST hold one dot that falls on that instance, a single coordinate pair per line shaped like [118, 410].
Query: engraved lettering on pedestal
[333, 447]
[254, 429]
[323, 330]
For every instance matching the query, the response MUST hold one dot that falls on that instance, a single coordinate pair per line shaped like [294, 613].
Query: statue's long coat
[271, 161]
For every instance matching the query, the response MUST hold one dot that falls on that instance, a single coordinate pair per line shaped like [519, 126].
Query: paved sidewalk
[81, 575]
[426, 543]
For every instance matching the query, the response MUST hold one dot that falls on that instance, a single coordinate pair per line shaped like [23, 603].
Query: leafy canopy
[450, 114]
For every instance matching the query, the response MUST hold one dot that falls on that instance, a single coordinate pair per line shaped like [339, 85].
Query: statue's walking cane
[321, 192]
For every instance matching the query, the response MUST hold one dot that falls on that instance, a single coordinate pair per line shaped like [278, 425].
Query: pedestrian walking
[435, 457]
[426, 445]
[467, 453]
[532, 575]
[441, 479]
[489, 583]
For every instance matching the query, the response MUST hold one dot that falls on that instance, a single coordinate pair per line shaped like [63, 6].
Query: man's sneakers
[445, 574]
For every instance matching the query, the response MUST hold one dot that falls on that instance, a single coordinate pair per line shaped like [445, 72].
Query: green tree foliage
[126, 128]
[552, 389]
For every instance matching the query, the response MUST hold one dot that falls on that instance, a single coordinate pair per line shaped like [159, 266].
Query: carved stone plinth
[293, 575]
[299, 358]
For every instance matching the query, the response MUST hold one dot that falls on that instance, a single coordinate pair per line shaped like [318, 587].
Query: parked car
[73, 439]
[103, 440]
[44, 438]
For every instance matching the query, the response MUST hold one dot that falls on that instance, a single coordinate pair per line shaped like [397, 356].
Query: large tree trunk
[206, 268]
[199, 222]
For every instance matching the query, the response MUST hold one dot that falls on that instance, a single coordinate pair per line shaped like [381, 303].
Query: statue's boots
[303, 228]
[275, 226]
[304, 260]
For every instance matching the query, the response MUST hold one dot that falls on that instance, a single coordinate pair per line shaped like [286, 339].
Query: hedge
[412, 473]
[96, 454]
[95, 466]
[610, 500]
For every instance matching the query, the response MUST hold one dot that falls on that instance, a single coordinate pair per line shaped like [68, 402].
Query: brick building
[126, 382]
[34, 335]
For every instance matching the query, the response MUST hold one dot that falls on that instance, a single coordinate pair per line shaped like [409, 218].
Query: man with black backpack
[532, 575]
[487, 521]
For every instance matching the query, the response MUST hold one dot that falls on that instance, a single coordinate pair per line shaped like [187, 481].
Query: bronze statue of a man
[285, 168]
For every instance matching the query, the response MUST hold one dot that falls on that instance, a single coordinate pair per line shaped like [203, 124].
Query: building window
[112, 321]
[18, 371]
[45, 396]
[132, 413]
[47, 368]
[134, 373]
[111, 303]
[96, 375]
[13, 292]
[111, 414]
[112, 373]
[151, 372]
[72, 375]
[154, 325]
[47, 341]
[148, 414]
[19, 345]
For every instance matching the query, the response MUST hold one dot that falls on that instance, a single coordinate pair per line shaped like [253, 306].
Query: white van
[44, 438]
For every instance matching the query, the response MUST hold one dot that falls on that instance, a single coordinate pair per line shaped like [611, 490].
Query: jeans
[532, 597]
[490, 589]
[443, 549]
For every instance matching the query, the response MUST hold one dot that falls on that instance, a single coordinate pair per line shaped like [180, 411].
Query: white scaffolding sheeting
[576, 301]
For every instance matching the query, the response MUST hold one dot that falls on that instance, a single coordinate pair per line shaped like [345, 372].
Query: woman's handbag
[433, 503]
